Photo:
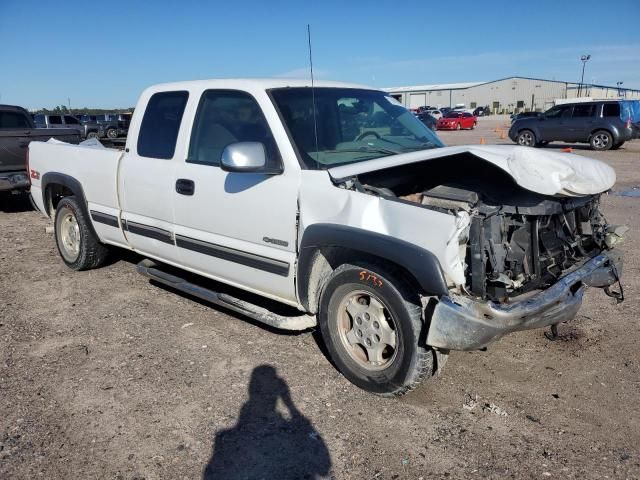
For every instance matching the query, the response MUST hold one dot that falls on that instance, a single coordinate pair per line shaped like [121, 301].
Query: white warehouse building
[520, 94]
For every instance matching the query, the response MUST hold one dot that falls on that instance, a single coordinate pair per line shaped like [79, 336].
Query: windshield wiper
[365, 149]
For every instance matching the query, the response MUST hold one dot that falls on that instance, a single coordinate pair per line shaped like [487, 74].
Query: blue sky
[103, 53]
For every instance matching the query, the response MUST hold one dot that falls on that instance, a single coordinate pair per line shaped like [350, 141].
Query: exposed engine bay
[512, 240]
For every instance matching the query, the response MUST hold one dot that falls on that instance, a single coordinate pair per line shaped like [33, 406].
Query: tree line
[64, 110]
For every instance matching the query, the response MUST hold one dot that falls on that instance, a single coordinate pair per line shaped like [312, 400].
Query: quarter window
[69, 120]
[160, 124]
[225, 117]
[611, 110]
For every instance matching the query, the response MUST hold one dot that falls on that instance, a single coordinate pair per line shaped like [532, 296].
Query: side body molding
[421, 263]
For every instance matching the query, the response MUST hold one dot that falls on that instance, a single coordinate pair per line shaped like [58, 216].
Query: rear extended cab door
[146, 179]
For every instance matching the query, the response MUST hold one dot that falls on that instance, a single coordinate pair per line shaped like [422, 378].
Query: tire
[112, 133]
[78, 246]
[458, 127]
[92, 135]
[526, 138]
[601, 141]
[367, 303]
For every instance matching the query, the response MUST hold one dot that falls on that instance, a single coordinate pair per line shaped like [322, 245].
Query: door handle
[185, 186]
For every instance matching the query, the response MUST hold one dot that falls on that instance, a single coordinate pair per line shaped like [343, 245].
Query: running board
[150, 269]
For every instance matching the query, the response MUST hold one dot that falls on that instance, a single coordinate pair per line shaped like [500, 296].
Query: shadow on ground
[264, 443]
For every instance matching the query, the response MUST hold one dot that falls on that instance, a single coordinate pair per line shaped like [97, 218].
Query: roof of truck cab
[252, 83]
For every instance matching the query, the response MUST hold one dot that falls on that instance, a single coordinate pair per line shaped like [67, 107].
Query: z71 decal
[371, 278]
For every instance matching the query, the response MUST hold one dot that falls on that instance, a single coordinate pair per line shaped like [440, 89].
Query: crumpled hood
[542, 171]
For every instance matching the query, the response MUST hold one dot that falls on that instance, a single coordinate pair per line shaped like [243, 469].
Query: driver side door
[236, 227]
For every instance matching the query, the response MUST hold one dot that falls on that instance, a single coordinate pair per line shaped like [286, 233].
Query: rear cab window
[55, 120]
[13, 120]
[161, 123]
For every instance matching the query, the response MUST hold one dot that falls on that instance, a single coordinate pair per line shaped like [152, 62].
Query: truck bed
[95, 167]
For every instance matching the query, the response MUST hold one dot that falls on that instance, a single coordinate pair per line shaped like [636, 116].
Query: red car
[457, 121]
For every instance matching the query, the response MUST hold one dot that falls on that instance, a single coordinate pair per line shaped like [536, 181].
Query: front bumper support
[463, 323]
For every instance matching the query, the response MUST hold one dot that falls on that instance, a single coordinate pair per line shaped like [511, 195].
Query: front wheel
[77, 244]
[371, 322]
[601, 140]
[526, 138]
[112, 133]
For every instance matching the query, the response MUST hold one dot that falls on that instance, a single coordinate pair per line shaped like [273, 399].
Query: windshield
[352, 125]
[453, 114]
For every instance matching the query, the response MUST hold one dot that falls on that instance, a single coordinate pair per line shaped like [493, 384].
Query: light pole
[620, 94]
[584, 59]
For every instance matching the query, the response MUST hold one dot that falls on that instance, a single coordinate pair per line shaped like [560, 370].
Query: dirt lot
[104, 375]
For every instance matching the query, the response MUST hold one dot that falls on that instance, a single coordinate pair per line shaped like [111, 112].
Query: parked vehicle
[57, 121]
[428, 119]
[435, 113]
[423, 109]
[482, 111]
[457, 121]
[91, 124]
[16, 131]
[399, 249]
[603, 124]
[445, 110]
[116, 125]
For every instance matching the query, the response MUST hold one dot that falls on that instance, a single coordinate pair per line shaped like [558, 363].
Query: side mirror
[248, 157]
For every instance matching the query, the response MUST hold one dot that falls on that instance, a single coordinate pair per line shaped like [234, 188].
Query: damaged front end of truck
[529, 238]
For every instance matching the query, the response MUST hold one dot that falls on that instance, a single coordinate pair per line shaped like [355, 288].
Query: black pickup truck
[16, 131]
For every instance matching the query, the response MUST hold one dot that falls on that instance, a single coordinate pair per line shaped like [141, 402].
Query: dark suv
[603, 124]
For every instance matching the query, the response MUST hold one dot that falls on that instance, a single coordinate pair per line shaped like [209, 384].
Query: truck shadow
[15, 203]
[264, 443]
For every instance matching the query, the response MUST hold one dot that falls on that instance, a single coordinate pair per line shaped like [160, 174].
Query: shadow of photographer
[265, 444]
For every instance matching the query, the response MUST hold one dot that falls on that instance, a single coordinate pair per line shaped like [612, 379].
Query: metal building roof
[437, 86]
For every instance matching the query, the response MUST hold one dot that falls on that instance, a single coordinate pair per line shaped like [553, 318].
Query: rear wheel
[92, 135]
[112, 133]
[601, 140]
[526, 138]
[77, 244]
[371, 322]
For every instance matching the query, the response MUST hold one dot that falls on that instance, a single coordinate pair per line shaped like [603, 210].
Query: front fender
[419, 262]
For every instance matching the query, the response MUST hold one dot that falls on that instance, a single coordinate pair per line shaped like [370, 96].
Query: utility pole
[584, 59]
[620, 93]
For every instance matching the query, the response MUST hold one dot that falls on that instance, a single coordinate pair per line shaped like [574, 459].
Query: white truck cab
[336, 201]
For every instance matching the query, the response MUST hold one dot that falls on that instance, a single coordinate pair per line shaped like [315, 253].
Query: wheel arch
[324, 247]
[615, 134]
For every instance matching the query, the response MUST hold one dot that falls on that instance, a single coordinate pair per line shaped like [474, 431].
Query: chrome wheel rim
[69, 236]
[525, 139]
[601, 140]
[367, 330]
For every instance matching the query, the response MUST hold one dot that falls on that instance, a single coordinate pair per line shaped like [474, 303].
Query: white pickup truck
[338, 202]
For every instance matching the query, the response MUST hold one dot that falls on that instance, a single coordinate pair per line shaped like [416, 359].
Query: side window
[586, 110]
[611, 110]
[225, 117]
[559, 112]
[160, 124]
[55, 120]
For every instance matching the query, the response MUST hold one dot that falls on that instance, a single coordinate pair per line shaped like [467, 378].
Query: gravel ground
[105, 375]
